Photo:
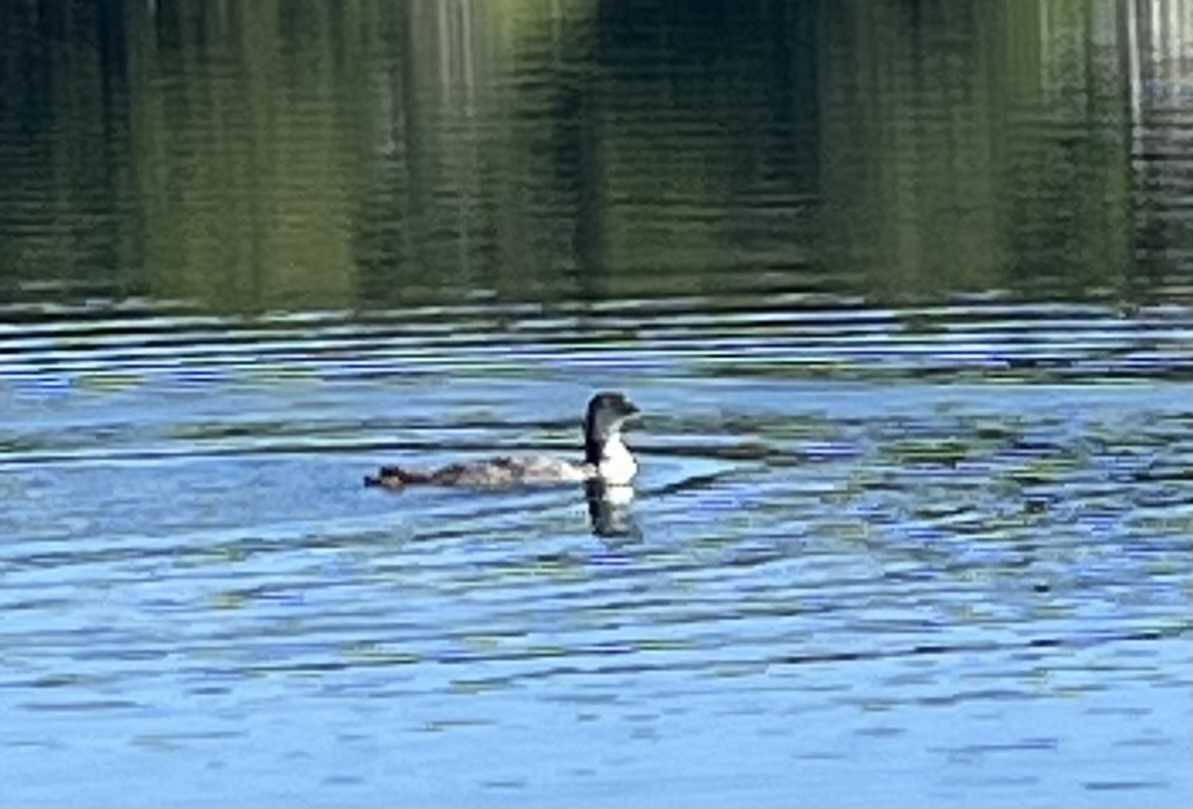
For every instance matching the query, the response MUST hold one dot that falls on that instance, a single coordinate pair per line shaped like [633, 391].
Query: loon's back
[495, 473]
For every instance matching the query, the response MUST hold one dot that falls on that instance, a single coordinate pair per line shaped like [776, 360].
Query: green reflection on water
[250, 156]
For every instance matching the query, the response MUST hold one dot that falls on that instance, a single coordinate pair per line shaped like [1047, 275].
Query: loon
[606, 460]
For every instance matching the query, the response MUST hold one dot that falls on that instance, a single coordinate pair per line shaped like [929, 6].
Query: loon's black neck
[594, 441]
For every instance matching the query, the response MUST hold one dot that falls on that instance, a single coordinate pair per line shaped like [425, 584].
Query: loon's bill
[606, 458]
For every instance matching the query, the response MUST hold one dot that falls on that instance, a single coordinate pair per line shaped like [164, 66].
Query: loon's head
[606, 413]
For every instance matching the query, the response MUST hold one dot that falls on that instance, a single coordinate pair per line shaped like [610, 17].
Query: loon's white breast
[606, 458]
[616, 466]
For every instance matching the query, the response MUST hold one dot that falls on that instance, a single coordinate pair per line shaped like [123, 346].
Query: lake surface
[904, 291]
